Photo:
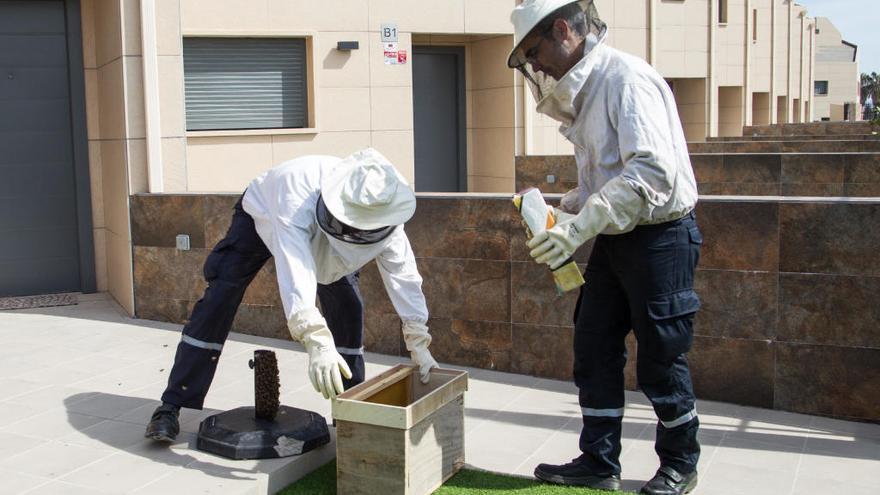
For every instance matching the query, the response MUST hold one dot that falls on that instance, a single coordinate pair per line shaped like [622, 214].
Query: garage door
[38, 210]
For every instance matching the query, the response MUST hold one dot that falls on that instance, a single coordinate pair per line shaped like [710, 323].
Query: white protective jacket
[629, 145]
[282, 203]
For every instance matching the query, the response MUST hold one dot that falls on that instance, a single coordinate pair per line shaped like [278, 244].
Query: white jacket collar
[560, 105]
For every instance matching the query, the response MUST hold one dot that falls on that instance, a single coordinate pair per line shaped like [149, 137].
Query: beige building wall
[761, 108]
[730, 111]
[628, 25]
[782, 39]
[834, 64]
[492, 130]
[798, 39]
[690, 97]
[760, 36]
[491, 91]
[681, 38]
[730, 45]
[116, 133]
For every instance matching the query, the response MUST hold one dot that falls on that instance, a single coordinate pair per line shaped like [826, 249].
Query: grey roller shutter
[245, 83]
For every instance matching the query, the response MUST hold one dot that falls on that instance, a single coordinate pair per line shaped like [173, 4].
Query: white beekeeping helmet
[537, 16]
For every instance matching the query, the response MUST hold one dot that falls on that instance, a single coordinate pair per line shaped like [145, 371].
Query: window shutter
[245, 83]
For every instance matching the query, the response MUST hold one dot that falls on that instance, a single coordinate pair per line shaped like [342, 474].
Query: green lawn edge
[322, 481]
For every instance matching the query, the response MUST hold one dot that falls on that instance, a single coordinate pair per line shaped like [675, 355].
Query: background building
[836, 88]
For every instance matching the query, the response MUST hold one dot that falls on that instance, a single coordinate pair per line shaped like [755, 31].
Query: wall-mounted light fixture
[346, 46]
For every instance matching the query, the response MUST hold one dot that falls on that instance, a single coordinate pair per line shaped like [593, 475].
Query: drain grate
[44, 301]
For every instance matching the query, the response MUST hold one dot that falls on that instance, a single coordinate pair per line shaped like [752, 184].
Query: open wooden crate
[396, 435]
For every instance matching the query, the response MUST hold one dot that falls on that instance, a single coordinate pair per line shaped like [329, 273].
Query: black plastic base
[238, 434]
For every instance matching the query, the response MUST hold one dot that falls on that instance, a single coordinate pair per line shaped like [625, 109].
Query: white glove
[417, 340]
[555, 245]
[571, 202]
[326, 366]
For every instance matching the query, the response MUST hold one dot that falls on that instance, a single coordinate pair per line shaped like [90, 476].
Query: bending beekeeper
[322, 218]
[636, 195]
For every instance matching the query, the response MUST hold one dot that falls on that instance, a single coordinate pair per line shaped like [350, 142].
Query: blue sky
[858, 22]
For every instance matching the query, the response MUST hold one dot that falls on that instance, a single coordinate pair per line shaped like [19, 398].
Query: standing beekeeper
[322, 218]
[636, 195]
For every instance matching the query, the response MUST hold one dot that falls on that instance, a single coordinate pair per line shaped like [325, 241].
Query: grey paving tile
[122, 472]
[55, 375]
[106, 434]
[141, 414]
[809, 484]
[844, 446]
[53, 459]
[10, 415]
[63, 488]
[49, 397]
[107, 406]
[194, 481]
[842, 469]
[13, 387]
[15, 482]
[98, 365]
[13, 444]
[758, 454]
[640, 461]
[861, 430]
[737, 479]
[52, 424]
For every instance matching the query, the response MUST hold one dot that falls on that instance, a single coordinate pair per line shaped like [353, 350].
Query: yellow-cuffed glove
[417, 340]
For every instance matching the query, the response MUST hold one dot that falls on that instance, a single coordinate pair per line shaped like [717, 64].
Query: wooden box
[395, 435]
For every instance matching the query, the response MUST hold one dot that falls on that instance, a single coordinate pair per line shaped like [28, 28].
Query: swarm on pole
[266, 384]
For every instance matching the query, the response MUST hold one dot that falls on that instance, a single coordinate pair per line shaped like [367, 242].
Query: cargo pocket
[672, 318]
[215, 257]
[695, 235]
[696, 243]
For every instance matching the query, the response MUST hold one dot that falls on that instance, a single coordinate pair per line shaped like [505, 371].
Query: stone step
[788, 174]
[808, 146]
[740, 174]
[812, 128]
[842, 137]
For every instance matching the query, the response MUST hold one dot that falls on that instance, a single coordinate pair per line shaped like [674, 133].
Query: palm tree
[870, 84]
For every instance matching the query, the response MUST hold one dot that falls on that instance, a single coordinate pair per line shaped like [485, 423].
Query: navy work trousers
[229, 269]
[642, 280]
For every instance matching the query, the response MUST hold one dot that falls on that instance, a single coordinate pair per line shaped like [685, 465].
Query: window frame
[754, 25]
[312, 126]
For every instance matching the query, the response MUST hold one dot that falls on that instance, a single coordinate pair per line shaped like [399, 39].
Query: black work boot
[668, 481]
[575, 473]
[164, 426]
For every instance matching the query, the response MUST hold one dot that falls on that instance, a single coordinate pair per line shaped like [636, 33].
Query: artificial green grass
[467, 482]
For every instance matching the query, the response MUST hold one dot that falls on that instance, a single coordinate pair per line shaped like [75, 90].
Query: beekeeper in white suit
[636, 195]
[322, 218]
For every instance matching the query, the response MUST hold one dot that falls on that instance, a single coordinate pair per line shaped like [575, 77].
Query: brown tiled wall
[757, 174]
[790, 294]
